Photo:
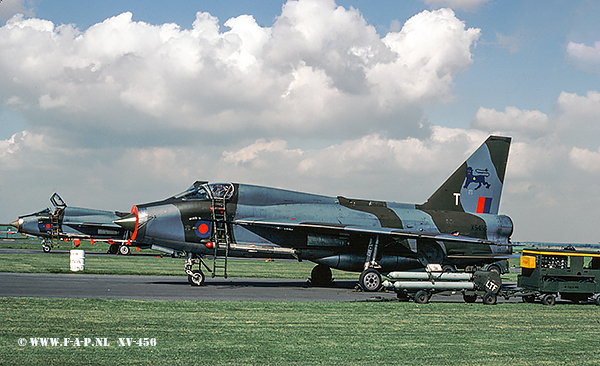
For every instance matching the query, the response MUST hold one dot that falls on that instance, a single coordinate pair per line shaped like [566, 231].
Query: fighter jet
[74, 223]
[458, 225]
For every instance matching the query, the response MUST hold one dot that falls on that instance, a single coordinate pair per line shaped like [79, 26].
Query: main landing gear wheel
[320, 275]
[370, 280]
[422, 297]
[113, 249]
[197, 279]
[124, 250]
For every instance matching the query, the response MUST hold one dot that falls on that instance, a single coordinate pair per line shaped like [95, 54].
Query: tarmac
[77, 285]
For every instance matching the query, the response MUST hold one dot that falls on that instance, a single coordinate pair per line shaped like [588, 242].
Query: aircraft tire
[113, 249]
[598, 300]
[46, 248]
[197, 279]
[549, 299]
[370, 280]
[490, 298]
[320, 275]
[422, 297]
[124, 250]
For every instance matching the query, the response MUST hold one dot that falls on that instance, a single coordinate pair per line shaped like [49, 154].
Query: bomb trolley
[419, 286]
[572, 274]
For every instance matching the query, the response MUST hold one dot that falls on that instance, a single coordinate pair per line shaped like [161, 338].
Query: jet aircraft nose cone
[128, 222]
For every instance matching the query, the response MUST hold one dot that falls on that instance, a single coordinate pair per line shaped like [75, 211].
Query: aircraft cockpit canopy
[194, 193]
[57, 201]
[207, 191]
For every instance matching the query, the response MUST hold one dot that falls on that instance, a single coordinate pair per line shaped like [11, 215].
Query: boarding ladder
[55, 225]
[221, 236]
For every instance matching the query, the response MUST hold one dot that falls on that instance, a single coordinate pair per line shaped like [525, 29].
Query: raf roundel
[202, 229]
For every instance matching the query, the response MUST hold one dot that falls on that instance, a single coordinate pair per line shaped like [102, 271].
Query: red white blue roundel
[202, 229]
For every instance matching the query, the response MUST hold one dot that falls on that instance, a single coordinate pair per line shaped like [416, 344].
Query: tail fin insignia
[476, 186]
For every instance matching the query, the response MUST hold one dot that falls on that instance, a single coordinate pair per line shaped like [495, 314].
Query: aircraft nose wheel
[370, 280]
[197, 279]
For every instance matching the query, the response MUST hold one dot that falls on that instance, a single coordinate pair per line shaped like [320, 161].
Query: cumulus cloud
[585, 57]
[8, 8]
[319, 68]
[513, 120]
[585, 159]
[126, 112]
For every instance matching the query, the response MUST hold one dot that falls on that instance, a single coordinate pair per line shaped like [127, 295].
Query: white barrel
[436, 276]
[77, 260]
[426, 285]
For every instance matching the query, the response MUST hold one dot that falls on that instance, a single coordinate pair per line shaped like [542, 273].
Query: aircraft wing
[397, 233]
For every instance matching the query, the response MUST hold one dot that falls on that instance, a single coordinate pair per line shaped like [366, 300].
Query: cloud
[513, 120]
[126, 112]
[586, 160]
[319, 68]
[586, 58]
[511, 43]
[8, 8]
[456, 4]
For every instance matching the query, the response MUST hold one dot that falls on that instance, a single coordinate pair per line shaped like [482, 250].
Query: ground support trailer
[572, 274]
[419, 286]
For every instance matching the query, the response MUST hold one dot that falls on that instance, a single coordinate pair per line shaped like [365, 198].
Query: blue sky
[111, 109]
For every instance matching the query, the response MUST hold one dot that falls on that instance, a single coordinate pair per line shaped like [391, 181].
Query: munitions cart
[569, 273]
[419, 286]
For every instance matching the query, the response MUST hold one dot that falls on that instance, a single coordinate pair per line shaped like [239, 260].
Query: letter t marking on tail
[457, 198]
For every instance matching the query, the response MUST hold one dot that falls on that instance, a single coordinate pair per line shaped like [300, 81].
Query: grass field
[150, 265]
[274, 333]
[257, 333]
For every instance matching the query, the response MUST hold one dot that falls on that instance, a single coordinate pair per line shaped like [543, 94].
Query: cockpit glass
[57, 201]
[220, 190]
[194, 193]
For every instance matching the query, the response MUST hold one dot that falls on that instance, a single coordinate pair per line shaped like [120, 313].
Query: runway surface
[177, 288]
[74, 285]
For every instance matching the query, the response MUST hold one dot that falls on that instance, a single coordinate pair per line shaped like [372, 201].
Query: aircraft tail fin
[476, 186]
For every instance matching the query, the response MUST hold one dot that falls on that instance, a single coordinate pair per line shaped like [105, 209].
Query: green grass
[165, 266]
[256, 333]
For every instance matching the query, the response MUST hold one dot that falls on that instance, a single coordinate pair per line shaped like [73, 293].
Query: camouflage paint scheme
[62, 222]
[459, 223]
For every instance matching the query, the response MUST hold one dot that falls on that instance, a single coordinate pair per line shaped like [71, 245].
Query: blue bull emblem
[478, 178]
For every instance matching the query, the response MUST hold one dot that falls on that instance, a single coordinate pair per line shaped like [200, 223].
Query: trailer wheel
[422, 297]
[549, 299]
[370, 280]
[528, 298]
[469, 299]
[598, 301]
[490, 298]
